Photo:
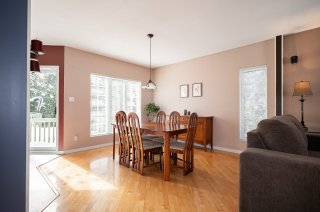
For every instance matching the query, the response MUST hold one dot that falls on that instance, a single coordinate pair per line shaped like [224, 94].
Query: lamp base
[305, 128]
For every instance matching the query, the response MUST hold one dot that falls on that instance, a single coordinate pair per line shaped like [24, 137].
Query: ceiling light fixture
[36, 47]
[150, 85]
[35, 52]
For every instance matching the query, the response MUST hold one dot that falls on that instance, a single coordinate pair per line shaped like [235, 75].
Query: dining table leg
[113, 142]
[166, 157]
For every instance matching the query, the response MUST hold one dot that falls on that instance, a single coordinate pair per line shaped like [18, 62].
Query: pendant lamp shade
[150, 85]
[36, 47]
[34, 66]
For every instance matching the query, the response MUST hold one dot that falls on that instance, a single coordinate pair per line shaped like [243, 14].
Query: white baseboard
[227, 149]
[84, 148]
[110, 144]
[220, 148]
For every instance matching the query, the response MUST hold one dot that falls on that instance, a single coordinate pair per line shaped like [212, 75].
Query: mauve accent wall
[219, 74]
[54, 56]
[13, 108]
[305, 45]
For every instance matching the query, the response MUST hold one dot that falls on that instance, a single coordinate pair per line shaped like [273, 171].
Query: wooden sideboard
[204, 130]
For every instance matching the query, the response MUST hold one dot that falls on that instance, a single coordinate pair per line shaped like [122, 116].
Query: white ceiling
[183, 29]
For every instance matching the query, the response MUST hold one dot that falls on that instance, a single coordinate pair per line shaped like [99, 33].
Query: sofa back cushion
[297, 123]
[282, 134]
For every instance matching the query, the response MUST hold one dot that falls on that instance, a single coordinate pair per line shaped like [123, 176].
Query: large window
[108, 96]
[253, 98]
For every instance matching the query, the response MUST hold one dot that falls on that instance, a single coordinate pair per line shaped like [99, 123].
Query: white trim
[84, 148]
[237, 151]
[27, 174]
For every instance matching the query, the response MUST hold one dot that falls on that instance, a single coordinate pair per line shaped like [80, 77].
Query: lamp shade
[302, 88]
[150, 85]
[33, 56]
[36, 47]
[34, 66]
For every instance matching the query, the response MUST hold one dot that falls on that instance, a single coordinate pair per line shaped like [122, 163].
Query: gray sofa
[277, 171]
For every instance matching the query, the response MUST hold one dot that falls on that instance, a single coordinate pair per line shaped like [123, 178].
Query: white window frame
[108, 106]
[246, 70]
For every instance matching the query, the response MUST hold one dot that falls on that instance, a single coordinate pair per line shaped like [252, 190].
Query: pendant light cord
[150, 57]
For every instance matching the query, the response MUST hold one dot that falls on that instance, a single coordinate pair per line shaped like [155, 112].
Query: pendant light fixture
[34, 63]
[150, 85]
[35, 51]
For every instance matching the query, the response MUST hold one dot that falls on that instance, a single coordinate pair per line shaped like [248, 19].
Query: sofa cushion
[282, 135]
[295, 122]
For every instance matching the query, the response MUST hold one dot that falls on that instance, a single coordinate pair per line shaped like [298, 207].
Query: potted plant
[151, 109]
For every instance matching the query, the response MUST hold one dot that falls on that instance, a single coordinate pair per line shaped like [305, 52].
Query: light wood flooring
[92, 181]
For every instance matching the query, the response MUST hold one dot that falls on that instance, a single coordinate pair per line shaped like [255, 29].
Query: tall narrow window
[108, 96]
[253, 98]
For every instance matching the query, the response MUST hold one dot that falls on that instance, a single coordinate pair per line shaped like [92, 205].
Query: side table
[313, 140]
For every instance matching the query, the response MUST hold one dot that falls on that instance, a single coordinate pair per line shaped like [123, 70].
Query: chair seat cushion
[149, 136]
[176, 145]
[150, 144]
[153, 137]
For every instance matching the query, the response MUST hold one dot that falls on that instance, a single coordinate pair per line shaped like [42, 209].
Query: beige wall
[77, 69]
[306, 45]
[219, 74]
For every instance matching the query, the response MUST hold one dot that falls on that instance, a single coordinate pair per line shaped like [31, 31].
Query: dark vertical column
[279, 75]
[13, 103]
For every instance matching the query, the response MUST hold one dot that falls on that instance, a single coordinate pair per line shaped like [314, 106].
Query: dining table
[165, 130]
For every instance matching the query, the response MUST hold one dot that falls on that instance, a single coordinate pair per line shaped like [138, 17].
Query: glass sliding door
[44, 109]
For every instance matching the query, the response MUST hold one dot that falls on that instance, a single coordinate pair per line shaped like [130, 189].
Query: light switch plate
[71, 98]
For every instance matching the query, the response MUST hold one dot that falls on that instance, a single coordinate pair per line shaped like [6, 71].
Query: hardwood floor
[92, 181]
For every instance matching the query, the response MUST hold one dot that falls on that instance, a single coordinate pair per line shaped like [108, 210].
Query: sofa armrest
[278, 181]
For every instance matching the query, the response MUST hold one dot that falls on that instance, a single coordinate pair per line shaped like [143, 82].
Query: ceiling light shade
[36, 47]
[33, 56]
[150, 85]
[302, 88]
[34, 66]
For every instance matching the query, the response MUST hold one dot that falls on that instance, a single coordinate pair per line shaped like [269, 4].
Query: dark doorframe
[279, 75]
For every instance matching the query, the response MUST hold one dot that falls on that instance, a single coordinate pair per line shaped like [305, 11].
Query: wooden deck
[92, 181]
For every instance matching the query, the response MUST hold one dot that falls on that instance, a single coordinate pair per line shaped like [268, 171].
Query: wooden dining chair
[141, 148]
[124, 141]
[174, 118]
[161, 117]
[186, 148]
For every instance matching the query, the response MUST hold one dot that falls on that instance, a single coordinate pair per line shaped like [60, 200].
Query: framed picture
[197, 89]
[184, 91]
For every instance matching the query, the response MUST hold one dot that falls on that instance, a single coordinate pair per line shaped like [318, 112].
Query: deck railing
[43, 131]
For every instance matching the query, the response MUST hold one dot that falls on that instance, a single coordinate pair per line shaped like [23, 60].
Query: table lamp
[302, 88]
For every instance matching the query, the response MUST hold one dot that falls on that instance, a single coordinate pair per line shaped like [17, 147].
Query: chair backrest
[174, 118]
[192, 127]
[135, 131]
[161, 117]
[121, 122]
